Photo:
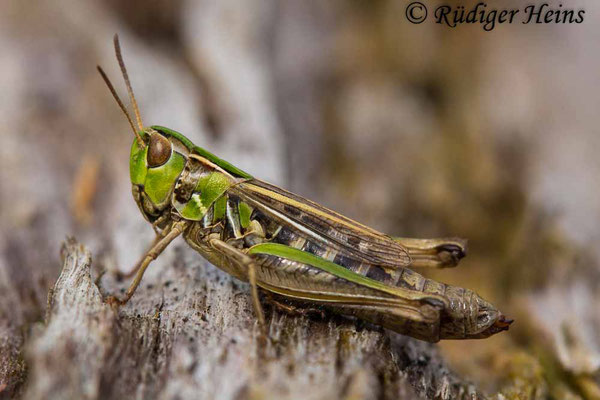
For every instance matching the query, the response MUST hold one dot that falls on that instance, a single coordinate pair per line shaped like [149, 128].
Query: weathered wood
[189, 332]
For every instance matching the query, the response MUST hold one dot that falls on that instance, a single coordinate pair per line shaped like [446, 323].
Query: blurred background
[415, 130]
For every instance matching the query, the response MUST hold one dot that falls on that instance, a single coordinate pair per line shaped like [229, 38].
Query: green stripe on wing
[290, 253]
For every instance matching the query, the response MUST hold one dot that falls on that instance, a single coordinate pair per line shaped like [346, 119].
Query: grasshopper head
[154, 168]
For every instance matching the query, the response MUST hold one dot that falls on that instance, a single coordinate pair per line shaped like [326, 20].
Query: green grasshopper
[296, 251]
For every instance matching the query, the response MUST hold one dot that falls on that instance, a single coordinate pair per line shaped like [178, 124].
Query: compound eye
[159, 150]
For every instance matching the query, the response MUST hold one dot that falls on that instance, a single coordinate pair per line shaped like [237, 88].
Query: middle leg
[246, 261]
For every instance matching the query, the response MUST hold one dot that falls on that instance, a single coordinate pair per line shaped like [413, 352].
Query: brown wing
[324, 226]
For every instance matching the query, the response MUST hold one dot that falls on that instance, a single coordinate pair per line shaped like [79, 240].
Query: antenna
[127, 82]
[118, 99]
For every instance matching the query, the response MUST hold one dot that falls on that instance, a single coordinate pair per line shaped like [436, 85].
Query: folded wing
[325, 226]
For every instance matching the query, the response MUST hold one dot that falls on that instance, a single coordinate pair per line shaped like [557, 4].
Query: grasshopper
[296, 251]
